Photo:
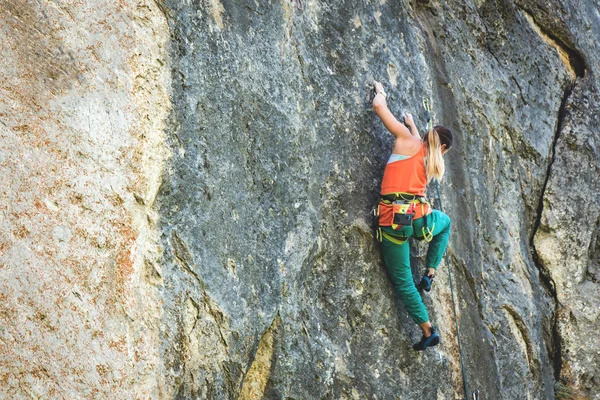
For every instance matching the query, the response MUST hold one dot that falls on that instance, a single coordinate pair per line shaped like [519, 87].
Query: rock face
[188, 184]
[84, 100]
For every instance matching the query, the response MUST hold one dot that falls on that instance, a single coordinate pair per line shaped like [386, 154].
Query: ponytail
[435, 138]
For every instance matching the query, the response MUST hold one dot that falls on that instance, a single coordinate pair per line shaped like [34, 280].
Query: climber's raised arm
[391, 123]
[408, 120]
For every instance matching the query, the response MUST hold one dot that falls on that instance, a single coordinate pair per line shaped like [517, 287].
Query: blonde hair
[435, 138]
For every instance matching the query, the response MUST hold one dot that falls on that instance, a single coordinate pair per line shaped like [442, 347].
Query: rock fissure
[592, 271]
[166, 12]
[299, 57]
[520, 89]
[571, 58]
[254, 10]
[217, 315]
[545, 275]
[196, 318]
[531, 355]
[576, 67]
[184, 258]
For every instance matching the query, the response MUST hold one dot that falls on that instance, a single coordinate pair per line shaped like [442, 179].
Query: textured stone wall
[84, 97]
[188, 184]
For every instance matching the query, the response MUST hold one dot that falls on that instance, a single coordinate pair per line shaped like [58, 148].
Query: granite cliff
[187, 192]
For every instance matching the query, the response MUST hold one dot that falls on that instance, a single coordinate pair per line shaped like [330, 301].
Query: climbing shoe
[426, 282]
[432, 340]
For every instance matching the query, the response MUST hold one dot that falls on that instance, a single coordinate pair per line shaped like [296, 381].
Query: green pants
[397, 259]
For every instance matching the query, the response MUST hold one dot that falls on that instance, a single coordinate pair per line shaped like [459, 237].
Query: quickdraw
[427, 233]
[428, 113]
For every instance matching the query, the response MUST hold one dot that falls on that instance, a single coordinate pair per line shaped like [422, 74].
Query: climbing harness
[402, 209]
[475, 394]
[398, 210]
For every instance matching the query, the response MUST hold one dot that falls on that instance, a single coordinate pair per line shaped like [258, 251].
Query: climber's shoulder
[407, 146]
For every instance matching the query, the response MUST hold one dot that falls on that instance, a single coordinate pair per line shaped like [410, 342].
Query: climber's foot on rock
[432, 340]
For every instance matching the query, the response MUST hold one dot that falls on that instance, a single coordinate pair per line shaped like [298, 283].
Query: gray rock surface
[188, 185]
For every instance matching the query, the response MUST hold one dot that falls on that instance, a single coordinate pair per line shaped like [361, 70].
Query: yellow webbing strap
[401, 196]
[389, 237]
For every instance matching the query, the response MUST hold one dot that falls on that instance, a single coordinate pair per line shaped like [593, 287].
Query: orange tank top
[406, 176]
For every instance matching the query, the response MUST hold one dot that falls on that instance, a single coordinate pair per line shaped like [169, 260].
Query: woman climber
[404, 212]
